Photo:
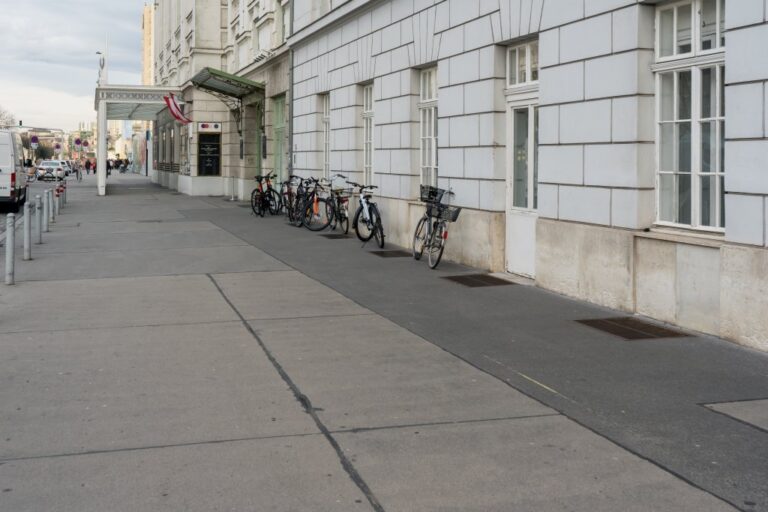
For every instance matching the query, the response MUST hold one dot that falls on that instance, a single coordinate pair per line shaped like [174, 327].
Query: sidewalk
[172, 353]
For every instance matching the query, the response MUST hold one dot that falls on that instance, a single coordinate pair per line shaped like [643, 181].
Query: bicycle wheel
[273, 200]
[298, 211]
[256, 202]
[419, 238]
[343, 219]
[318, 214]
[363, 228]
[378, 229]
[436, 244]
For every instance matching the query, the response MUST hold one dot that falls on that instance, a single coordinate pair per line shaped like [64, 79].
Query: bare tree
[6, 118]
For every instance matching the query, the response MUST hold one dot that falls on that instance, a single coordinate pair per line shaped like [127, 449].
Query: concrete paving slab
[548, 463]
[122, 302]
[754, 412]
[133, 241]
[97, 228]
[104, 389]
[150, 262]
[365, 371]
[286, 294]
[282, 475]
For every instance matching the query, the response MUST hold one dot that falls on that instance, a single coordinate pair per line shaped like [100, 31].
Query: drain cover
[335, 236]
[478, 280]
[148, 221]
[392, 254]
[631, 328]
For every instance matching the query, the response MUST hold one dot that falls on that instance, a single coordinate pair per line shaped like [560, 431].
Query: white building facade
[609, 149]
[240, 37]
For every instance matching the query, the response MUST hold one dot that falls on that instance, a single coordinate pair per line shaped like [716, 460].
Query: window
[428, 126]
[278, 133]
[368, 134]
[690, 115]
[689, 28]
[523, 64]
[525, 147]
[286, 21]
[325, 121]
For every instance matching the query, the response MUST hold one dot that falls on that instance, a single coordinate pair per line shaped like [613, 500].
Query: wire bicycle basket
[431, 194]
[443, 212]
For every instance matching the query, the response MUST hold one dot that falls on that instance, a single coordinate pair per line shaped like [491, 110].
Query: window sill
[702, 239]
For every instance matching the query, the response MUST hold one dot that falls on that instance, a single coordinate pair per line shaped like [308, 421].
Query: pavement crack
[3, 460]
[306, 403]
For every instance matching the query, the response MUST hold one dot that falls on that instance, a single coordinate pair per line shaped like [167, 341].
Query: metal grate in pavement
[478, 280]
[335, 236]
[148, 221]
[392, 254]
[631, 328]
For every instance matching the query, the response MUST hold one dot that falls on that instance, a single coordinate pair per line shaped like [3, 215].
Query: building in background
[147, 45]
[612, 151]
[231, 139]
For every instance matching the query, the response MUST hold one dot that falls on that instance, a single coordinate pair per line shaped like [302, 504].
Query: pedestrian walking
[88, 167]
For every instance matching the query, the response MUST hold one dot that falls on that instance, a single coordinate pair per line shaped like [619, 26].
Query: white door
[522, 198]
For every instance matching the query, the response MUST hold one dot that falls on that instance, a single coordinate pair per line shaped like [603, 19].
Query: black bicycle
[367, 220]
[432, 230]
[339, 200]
[315, 211]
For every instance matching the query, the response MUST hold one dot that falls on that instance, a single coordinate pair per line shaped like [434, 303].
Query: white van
[13, 180]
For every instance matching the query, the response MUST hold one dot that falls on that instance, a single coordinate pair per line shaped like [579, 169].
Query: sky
[48, 61]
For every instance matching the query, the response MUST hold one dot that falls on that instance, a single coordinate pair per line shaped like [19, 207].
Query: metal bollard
[10, 246]
[46, 209]
[65, 192]
[54, 211]
[38, 219]
[27, 231]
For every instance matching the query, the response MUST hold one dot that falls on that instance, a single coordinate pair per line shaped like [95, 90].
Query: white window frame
[695, 29]
[427, 107]
[694, 61]
[368, 125]
[529, 69]
[325, 122]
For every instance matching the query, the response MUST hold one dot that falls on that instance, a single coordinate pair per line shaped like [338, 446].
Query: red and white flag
[175, 109]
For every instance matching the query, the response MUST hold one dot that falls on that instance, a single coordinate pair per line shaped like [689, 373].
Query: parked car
[13, 182]
[51, 170]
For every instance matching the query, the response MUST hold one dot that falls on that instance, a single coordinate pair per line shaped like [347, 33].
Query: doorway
[522, 179]
[209, 154]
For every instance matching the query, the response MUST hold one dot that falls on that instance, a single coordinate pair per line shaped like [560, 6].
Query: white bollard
[27, 231]
[39, 219]
[10, 243]
[53, 205]
[46, 209]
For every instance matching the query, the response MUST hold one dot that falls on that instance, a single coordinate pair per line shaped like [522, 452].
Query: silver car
[52, 170]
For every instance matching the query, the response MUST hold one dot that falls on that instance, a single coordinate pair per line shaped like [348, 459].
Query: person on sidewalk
[87, 167]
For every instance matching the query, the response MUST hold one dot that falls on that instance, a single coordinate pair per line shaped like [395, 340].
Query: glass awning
[220, 82]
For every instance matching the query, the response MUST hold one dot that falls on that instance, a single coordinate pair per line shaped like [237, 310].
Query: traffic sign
[57, 148]
[78, 143]
[34, 142]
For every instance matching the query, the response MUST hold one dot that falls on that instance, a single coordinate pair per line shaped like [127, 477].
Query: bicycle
[367, 220]
[432, 230]
[339, 201]
[289, 196]
[264, 200]
[315, 211]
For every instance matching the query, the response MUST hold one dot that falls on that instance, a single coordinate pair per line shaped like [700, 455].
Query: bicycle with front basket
[432, 230]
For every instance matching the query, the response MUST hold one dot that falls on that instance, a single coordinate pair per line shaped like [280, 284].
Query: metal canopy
[133, 102]
[219, 82]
